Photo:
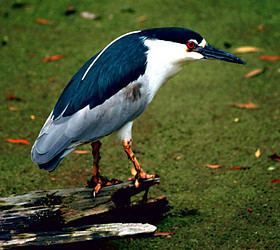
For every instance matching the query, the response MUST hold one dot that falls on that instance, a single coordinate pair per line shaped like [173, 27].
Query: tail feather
[51, 145]
[52, 164]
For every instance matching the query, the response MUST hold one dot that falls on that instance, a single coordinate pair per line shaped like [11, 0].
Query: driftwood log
[74, 215]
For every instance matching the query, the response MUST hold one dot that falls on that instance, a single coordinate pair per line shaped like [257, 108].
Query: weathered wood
[65, 212]
[77, 234]
[64, 206]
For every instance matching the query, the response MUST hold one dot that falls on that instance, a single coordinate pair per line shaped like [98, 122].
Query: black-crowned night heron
[112, 89]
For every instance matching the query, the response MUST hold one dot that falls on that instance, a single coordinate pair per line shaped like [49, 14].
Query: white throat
[164, 59]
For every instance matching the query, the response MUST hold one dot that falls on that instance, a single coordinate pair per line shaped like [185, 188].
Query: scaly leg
[98, 181]
[96, 178]
[140, 173]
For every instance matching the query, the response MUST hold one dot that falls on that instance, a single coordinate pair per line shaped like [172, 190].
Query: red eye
[191, 45]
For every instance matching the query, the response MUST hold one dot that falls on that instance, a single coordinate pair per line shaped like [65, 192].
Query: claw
[137, 183]
[137, 170]
[142, 176]
[98, 187]
[146, 176]
[96, 183]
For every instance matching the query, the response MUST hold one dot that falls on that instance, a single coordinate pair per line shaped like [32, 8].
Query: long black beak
[210, 52]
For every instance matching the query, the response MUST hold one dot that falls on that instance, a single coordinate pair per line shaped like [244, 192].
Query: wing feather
[118, 65]
[102, 76]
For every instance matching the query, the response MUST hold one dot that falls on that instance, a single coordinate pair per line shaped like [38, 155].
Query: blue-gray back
[118, 65]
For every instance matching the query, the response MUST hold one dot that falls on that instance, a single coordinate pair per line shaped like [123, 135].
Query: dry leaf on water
[271, 168]
[17, 141]
[89, 15]
[246, 49]
[213, 166]
[43, 21]
[248, 105]
[81, 152]
[142, 19]
[258, 153]
[261, 28]
[236, 119]
[275, 180]
[13, 108]
[250, 210]
[70, 10]
[237, 168]
[274, 157]
[13, 98]
[269, 58]
[51, 79]
[52, 58]
[178, 156]
[254, 72]
[163, 234]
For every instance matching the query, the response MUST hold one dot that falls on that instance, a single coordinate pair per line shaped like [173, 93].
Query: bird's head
[203, 50]
[185, 45]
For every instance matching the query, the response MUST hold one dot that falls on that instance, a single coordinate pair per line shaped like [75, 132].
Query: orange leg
[140, 173]
[96, 178]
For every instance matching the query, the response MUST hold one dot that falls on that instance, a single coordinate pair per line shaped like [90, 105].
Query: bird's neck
[158, 77]
[164, 60]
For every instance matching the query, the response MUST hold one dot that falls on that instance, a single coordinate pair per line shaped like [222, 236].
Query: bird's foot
[96, 183]
[139, 177]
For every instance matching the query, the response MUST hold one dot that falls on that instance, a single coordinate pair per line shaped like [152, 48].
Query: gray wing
[89, 107]
[61, 136]
[51, 144]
